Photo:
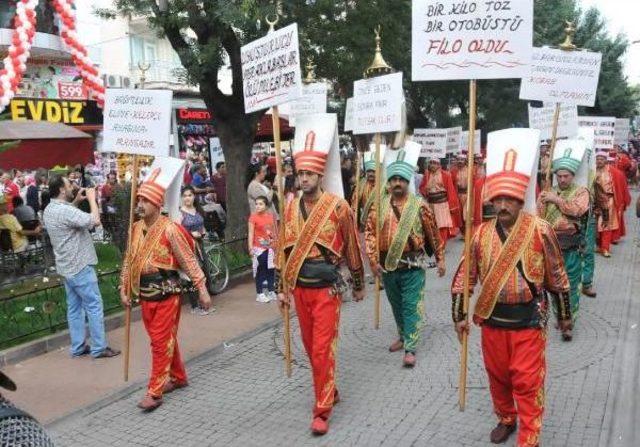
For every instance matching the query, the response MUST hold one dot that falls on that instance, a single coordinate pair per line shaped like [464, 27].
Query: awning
[44, 145]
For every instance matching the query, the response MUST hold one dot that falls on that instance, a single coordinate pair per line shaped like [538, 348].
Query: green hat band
[401, 169]
[569, 164]
[369, 165]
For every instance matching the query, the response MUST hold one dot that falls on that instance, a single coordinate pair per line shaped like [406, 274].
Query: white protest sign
[453, 139]
[312, 100]
[137, 122]
[433, 142]
[623, 127]
[464, 141]
[567, 77]
[454, 39]
[541, 118]
[604, 128]
[378, 104]
[271, 69]
[215, 153]
[349, 116]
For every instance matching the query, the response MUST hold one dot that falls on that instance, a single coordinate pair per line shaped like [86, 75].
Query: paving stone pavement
[241, 396]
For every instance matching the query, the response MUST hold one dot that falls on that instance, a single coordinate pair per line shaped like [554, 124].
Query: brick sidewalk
[241, 396]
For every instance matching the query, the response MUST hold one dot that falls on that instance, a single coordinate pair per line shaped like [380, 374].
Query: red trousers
[516, 366]
[319, 316]
[604, 240]
[444, 236]
[161, 320]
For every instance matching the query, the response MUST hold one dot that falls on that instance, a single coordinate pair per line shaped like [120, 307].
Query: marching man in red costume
[438, 188]
[515, 257]
[319, 235]
[159, 249]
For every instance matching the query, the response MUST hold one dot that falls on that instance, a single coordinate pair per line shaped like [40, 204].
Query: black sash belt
[160, 286]
[437, 197]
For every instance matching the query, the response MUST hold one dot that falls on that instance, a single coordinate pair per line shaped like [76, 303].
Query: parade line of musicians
[532, 257]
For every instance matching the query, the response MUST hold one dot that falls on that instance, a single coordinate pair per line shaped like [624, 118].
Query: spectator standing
[8, 188]
[261, 240]
[201, 184]
[75, 256]
[18, 234]
[219, 181]
[256, 188]
[24, 213]
[192, 220]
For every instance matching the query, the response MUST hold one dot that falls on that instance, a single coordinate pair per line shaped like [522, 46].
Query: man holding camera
[68, 228]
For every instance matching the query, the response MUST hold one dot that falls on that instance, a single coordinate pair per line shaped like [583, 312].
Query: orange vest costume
[150, 271]
[327, 238]
[514, 270]
[440, 192]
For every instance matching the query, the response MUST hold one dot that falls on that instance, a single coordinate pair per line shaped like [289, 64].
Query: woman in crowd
[256, 187]
[193, 221]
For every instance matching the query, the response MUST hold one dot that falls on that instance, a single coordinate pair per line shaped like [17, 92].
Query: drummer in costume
[159, 249]
[438, 188]
[408, 233]
[566, 208]
[516, 258]
[319, 236]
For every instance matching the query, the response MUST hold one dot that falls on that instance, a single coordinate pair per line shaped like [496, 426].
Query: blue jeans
[264, 273]
[84, 300]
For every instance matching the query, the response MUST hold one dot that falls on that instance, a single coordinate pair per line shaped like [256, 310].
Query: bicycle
[217, 266]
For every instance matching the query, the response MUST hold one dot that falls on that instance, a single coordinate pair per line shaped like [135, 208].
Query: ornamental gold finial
[311, 71]
[379, 66]
[272, 23]
[570, 32]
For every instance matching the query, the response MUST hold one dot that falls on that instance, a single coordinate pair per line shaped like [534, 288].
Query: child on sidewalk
[261, 242]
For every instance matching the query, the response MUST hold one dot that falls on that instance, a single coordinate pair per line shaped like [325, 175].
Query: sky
[622, 16]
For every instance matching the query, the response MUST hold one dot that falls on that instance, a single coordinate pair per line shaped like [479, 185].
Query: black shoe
[85, 351]
[107, 353]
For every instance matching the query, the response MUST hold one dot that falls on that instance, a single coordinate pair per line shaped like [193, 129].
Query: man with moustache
[158, 250]
[516, 258]
[408, 232]
[566, 208]
[319, 235]
[366, 195]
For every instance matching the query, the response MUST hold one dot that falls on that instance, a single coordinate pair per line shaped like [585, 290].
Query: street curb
[132, 388]
[59, 339]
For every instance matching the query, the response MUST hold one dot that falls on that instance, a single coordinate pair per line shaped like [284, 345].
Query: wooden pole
[378, 187]
[552, 147]
[127, 311]
[468, 227]
[275, 116]
[356, 192]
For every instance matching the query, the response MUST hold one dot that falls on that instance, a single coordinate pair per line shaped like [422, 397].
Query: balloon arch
[15, 64]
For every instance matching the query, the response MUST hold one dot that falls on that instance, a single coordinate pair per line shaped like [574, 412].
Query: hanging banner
[623, 127]
[433, 142]
[464, 141]
[349, 116]
[454, 39]
[137, 122]
[604, 129]
[271, 69]
[453, 139]
[378, 104]
[557, 76]
[541, 118]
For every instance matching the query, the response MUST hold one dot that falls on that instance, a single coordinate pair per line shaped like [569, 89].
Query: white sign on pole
[433, 142]
[541, 118]
[215, 153]
[567, 77]
[378, 104]
[452, 39]
[349, 116]
[464, 141]
[271, 69]
[137, 122]
[623, 127]
[604, 128]
[313, 100]
[453, 139]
